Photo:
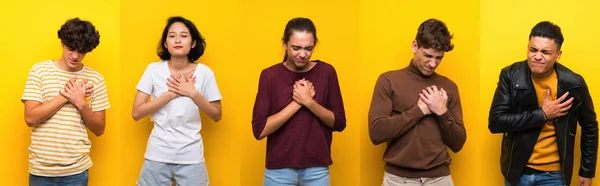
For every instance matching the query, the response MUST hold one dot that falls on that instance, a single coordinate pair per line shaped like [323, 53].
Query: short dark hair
[79, 35]
[434, 34]
[195, 52]
[299, 24]
[547, 29]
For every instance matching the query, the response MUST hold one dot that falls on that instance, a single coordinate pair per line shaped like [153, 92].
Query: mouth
[300, 60]
[538, 63]
[178, 47]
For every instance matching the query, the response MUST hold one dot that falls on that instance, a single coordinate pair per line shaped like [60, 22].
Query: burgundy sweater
[303, 141]
[416, 144]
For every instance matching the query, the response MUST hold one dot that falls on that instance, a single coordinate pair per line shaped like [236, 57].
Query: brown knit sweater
[416, 144]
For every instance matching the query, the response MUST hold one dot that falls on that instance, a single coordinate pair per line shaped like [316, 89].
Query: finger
[64, 94]
[568, 102]
[564, 109]
[303, 83]
[175, 91]
[563, 97]
[423, 98]
[429, 90]
[547, 98]
[426, 94]
[70, 84]
[173, 81]
[172, 86]
[434, 88]
[443, 91]
[175, 77]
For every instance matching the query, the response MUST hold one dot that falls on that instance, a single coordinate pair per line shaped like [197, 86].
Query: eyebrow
[296, 46]
[433, 55]
[184, 32]
[543, 51]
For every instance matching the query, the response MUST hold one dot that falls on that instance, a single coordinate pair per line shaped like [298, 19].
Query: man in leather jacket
[537, 105]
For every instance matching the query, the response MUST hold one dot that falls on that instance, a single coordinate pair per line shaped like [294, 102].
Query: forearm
[326, 116]
[275, 121]
[453, 131]
[384, 128]
[93, 120]
[147, 108]
[44, 111]
[211, 110]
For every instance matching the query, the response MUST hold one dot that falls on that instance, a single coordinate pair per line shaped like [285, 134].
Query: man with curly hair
[62, 98]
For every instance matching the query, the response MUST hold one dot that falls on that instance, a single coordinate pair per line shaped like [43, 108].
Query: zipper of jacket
[562, 170]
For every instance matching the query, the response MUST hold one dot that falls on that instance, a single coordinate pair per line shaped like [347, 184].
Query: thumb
[547, 94]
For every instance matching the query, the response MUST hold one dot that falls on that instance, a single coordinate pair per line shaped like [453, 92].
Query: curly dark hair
[79, 35]
[434, 34]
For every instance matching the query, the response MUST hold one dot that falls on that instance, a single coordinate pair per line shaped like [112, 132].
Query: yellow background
[360, 38]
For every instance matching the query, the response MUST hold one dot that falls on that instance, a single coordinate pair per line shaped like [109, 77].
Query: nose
[302, 54]
[178, 39]
[433, 63]
[75, 55]
[537, 56]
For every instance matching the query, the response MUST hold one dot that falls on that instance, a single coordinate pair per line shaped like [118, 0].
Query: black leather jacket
[515, 112]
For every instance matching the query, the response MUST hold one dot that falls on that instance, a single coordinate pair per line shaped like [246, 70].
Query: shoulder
[40, 66]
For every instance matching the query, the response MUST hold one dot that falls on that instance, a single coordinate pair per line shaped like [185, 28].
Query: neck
[62, 64]
[291, 66]
[178, 63]
[542, 76]
[415, 70]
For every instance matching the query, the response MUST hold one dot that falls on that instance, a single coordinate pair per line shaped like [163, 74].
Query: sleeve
[589, 135]
[99, 97]
[210, 89]
[384, 123]
[451, 124]
[501, 119]
[146, 83]
[262, 105]
[33, 87]
[336, 103]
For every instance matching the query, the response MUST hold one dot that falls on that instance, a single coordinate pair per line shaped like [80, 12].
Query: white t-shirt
[175, 137]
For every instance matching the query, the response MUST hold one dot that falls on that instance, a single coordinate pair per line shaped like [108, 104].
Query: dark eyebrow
[296, 46]
[433, 55]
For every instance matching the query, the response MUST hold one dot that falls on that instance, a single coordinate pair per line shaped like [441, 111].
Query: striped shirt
[60, 145]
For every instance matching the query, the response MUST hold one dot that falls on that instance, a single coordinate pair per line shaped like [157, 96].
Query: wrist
[81, 105]
[194, 94]
[309, 103]
[61, 99]
[442, 111]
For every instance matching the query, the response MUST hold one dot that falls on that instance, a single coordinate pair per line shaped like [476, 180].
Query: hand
[555, 109]
[302, 93]
[436, 100]
[182, 85]
[312, 89]
[89, 88]
[75, 92]
[584, 181]
[423, 107]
